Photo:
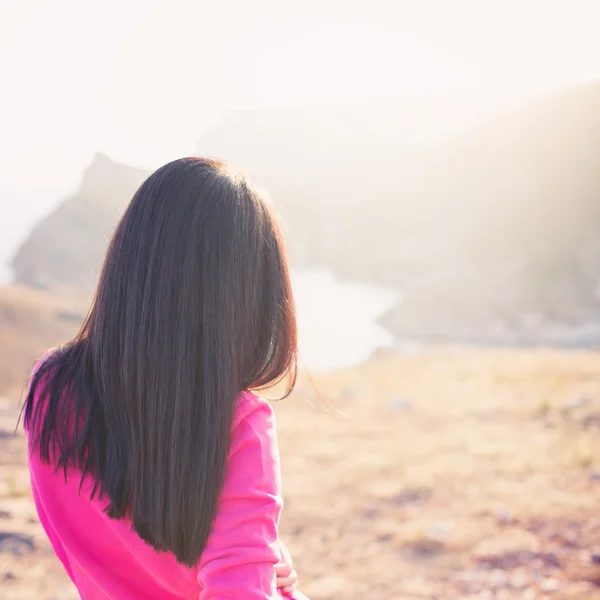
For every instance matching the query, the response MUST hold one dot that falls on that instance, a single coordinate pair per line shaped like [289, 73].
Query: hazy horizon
[141, 81]
[28, 205]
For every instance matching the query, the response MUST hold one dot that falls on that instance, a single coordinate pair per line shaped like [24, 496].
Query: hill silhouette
[67, 248]
[491, 233]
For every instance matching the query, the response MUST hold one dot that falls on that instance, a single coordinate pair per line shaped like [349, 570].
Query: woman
[154, 467]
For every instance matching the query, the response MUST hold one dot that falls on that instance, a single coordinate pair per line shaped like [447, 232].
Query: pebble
[498, 578]
[505, 517]
[400, 405]
[350, 392]
[519, 580]
[549, 585]
[578, 402]
[592, 420]
[15, 543]
[441, 531]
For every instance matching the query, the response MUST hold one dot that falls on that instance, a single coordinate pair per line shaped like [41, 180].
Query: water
[337, 321]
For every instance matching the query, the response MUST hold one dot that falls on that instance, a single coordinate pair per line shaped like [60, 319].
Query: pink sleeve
[238, 561]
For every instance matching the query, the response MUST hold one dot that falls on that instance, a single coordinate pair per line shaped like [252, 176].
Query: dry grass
[30, 322]
[451, 473]
[443, 466]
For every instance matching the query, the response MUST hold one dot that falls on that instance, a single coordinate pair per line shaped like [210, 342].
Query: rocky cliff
[67, 247]
[491, 234]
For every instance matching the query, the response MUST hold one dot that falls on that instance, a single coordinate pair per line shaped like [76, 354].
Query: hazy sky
[139, 80]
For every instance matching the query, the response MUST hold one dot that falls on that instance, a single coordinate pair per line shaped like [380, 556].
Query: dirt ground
[440, 473]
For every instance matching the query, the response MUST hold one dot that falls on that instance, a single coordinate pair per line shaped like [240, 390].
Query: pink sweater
[105, 559]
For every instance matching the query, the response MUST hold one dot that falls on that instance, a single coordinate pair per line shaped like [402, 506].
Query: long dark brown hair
[194, 305]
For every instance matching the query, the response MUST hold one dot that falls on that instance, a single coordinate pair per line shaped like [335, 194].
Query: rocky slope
[491, 234]
[67, 247]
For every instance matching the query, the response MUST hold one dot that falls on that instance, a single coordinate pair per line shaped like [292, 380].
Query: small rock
[595, 559]
[441, 531]
[425, 548]
[4, 514]
[400, 405]
[594, 475]
[505, 517]
[370, 513]
[353, 391]
[8, 576]
[549, 585]
[578, 402]
[417, 495]
[592, 420]
[15, 544]
[514, 548]
[519, 580]
[498, 578]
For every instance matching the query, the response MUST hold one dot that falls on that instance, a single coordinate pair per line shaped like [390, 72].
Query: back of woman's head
[193, 306]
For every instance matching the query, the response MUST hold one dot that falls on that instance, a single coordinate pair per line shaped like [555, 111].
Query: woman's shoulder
[45, 375]
[248, 403]
[39, 363]
[36, 393]
[253, 418]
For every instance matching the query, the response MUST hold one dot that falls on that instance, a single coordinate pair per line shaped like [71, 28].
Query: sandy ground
[443, 473]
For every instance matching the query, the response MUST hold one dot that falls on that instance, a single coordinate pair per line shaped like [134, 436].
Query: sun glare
[149, 77]
[342, 65]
